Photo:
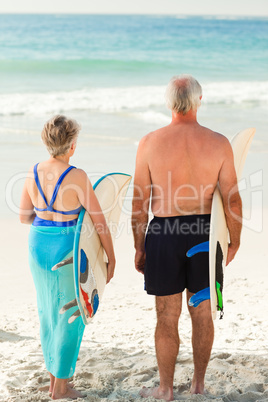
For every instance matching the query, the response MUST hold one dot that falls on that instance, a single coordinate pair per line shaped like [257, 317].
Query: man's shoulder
[146, 139]
[221, 139]
[153, 135]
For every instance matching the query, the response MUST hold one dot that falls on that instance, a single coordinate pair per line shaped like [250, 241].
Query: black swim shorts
[167, 268]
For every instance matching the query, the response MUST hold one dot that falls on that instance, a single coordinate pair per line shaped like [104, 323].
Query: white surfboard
[218, 240]
[90, 261]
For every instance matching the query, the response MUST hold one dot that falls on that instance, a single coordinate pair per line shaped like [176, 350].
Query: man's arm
[231, 201]
[140, 204]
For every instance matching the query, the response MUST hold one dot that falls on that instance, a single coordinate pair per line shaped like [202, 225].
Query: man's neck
[189, 117]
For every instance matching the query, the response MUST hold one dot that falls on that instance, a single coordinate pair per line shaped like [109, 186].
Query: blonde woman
[53, 195]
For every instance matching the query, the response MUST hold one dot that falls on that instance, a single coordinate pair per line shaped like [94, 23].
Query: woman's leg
[48, 388]
[52, 381]
[63, 390]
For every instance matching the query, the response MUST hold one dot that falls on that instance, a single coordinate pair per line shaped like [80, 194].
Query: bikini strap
[36, 178]
[56, 189]
[71, 212]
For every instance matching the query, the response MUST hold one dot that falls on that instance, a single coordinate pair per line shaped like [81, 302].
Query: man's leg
[168, 309]
[202, 341]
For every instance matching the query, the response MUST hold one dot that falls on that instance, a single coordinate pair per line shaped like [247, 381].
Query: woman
[57, 192]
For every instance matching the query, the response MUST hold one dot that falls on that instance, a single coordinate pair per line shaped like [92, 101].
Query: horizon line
[222, 15]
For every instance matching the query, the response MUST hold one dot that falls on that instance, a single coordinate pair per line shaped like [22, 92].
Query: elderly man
[177, 169]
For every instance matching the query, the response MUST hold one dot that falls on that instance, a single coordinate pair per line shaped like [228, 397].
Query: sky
[174, 7]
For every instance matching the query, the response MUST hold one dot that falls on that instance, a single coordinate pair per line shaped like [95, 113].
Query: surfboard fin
[62, 264]
[67, 306]
[199, 297]
[74, 316]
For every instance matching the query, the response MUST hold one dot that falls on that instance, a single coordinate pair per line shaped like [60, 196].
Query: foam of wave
[236, 92]
[151, 116]
[127, 99]
[96, 99]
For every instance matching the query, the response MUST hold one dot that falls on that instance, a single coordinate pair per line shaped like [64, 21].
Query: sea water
[110, 73]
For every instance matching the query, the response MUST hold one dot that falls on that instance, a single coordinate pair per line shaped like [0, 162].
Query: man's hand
[110, 270]
[141, 202]
[140, 260]
[232, 250]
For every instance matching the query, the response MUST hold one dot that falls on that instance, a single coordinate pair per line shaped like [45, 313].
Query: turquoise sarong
[60, 340]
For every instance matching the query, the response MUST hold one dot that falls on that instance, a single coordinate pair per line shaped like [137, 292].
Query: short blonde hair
[59, 133]
[183, 94]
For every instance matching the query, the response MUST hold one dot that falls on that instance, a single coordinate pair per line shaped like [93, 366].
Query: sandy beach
[110, 74]
[117, 355]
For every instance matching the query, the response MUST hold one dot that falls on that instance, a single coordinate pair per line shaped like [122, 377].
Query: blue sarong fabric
[49, 245]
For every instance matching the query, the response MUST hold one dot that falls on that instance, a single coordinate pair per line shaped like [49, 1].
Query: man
[177, 170]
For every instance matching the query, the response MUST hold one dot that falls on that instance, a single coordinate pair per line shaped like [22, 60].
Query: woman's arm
[90, 202]
[27, 213]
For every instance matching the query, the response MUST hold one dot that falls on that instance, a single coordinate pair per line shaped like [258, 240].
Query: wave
[247, 92]
[228, 17]
[152, 116]
[135, 100]
[77, 65]
[93, 99]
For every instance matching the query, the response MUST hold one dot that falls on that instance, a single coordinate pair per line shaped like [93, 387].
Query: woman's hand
[110, 270]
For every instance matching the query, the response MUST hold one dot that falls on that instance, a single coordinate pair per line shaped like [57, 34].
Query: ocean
[110, 73]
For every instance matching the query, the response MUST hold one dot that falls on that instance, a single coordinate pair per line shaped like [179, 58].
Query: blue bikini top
[55, 193]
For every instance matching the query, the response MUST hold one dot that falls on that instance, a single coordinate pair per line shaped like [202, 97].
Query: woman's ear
[73, 146]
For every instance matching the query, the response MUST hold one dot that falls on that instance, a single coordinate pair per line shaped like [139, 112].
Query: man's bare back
[177, 170]
[184, 161]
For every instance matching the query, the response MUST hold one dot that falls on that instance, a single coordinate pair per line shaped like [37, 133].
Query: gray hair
[183, 94]
[59, 133]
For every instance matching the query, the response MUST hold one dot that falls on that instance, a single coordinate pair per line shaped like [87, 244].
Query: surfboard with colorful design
[90, 260]
[218, 240]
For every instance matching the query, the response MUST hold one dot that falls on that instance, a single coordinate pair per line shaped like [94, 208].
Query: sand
[117, 355]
